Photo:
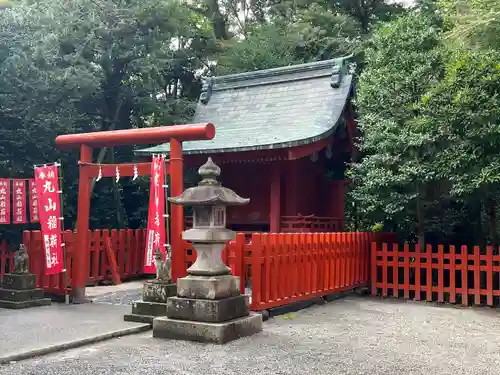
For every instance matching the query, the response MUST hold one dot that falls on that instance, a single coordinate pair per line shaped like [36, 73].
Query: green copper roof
[268, 109]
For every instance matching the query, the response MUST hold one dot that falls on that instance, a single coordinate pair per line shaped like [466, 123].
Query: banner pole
[61, 202]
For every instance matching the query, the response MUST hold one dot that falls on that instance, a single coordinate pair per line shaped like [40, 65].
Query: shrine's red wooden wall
[304, 191]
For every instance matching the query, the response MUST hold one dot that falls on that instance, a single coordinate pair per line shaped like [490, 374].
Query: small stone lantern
[208, 306]
[209, 234]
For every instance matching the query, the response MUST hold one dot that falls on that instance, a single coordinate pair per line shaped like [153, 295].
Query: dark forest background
[427, 95]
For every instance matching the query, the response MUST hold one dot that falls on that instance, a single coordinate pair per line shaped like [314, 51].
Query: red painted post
[295, 276]
[337, 263]
[81, 255]
[121, 256]
[418, 253]
[256, 271]
[384, 270]
[110, 252]
[453, 263]
[428, 253]
[280, 265]
[395, 270]
[489, 276]
[374, 268]
[406, 259]
[177, 212]
[477, 276]
[465, 270]
[440, 270]
[266, 280]
[237, 259]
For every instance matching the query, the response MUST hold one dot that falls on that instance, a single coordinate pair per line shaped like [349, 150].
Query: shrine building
[283, 137]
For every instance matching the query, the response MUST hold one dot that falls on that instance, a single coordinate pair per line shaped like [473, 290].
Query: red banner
[47, 186]
[4, 201]
[33, 202]
[19, 202]
[156, 219]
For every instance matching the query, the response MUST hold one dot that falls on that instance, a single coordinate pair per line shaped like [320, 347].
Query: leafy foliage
[427, 93]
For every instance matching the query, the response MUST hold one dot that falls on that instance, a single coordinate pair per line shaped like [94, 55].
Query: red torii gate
[176, 134]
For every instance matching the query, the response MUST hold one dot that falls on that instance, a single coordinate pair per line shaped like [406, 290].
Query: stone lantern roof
[209, 191]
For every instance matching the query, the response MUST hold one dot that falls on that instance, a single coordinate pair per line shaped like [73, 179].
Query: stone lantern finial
[209, 173]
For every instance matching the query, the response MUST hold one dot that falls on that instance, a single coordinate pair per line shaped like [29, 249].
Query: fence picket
[395, 270]
[418, 273]
[440, 271]
[465, 270]
[428, 290]
[406, 270]
[477, 276]
[453, 263]
[384, 270]
[489, 276]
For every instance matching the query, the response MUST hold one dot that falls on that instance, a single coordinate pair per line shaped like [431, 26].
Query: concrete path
[40, 330]
[353, 336]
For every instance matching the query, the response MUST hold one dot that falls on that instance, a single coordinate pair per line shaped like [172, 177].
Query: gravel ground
[350, 336]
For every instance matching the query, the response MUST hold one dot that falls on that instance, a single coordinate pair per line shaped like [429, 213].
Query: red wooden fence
[466, 275]
[283, 268]
[292, 267]
[127, 244]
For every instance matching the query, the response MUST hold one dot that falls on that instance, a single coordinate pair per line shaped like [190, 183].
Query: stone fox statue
[21, 260]
[163, 267]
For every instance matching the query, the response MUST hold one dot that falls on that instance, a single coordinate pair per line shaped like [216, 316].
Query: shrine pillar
[177, 212]
[81, 257]
[291, 188]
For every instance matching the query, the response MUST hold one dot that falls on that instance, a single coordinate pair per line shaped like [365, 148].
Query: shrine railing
[307, 224]
[127, 244]
[278, 269]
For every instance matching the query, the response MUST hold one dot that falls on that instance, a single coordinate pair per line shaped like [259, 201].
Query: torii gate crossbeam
[174, 134]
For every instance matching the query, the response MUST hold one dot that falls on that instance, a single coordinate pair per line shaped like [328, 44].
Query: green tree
[396, 179]
[77, 66]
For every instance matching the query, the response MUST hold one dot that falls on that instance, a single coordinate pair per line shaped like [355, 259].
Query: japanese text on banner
[19, 201]
[47, 186]
[4, 201]
[33, 202]
[156, 219]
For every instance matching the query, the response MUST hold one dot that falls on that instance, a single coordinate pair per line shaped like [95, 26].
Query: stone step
[139, 318]
[149, 308]
[25, 304]
[19, 281]
[20, 295]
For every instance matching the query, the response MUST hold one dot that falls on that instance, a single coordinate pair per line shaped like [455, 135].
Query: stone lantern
[208, 306]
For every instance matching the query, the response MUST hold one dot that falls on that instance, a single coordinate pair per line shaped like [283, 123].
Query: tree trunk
[420, 217]
[491, 211]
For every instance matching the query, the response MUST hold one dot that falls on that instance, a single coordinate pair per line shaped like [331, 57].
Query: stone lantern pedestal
[208, 306]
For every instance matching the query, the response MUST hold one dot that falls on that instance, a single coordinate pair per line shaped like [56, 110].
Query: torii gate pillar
[174, 134]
